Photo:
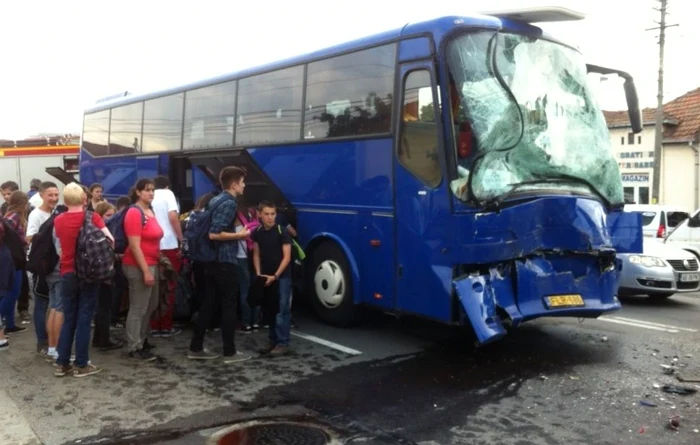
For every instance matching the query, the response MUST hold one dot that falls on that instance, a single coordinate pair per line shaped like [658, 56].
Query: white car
[658, 220]
[661, 271]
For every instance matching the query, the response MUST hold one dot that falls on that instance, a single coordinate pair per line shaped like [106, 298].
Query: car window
[647, 217]
[675, 218]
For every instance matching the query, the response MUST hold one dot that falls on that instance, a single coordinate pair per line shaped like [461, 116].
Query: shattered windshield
[530, 118]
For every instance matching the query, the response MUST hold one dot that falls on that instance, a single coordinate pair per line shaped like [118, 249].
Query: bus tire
[330, 285]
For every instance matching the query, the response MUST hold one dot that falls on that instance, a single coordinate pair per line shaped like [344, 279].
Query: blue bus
[457, 169]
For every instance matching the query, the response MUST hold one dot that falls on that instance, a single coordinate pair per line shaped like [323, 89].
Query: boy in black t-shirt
[272, 253]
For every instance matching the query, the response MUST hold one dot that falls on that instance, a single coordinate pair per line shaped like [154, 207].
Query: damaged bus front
[538, 194]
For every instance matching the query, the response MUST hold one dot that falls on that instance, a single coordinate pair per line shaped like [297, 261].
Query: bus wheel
[331, 285]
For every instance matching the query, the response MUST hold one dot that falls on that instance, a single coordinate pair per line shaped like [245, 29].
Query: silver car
[661, 271]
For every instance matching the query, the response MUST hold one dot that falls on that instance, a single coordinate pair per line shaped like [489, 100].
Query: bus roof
[437, 26]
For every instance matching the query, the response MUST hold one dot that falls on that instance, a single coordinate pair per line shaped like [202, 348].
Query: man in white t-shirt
[167, 212]
[47, 330]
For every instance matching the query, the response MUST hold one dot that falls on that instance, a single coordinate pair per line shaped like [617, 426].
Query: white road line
[327, 343]
[639, 325]
[655, 324]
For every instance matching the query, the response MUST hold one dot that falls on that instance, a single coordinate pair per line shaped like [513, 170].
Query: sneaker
[293, 325]
[156, 334]
[63, 370]
[246, 330]
[278, 351]
[267, 350]
[142, 355]
[25, 318]
[256, 327]
[85, 371]
[236, 358]
[5, 346]
[111, 346]
[15, 330]
[44, 353]
[201, 355]
[170, 332]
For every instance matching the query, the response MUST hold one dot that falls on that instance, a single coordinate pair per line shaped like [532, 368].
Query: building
[680, 158]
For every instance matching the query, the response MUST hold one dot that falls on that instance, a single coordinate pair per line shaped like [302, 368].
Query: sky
[60, 57]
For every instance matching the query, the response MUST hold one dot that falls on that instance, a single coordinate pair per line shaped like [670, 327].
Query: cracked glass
[532, 118]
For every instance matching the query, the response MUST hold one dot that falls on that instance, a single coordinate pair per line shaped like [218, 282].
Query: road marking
[327, 343]
[655, 324]
[639, 325]
[646, 324]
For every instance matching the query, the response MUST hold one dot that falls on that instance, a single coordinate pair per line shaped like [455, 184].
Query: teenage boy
[7, 188]
[79, 298]
[46, 330]
[221, 291]
[272, 253]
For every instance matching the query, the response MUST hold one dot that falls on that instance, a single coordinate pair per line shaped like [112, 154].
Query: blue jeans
[249, 316]
[9, 302]
[79, 302]
[41, 307]
[281, 325]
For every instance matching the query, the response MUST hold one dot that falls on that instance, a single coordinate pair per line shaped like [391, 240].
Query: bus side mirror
[633, 105]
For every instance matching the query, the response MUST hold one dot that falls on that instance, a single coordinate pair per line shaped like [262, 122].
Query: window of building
[643, 195]
[96, 133]
[162, 124]
[269, 107]
[209, 116]
[622, 140]
[125, 129]
[629, 195]
[630, 138]
[639, 140]
[350, 95]
[418, 150]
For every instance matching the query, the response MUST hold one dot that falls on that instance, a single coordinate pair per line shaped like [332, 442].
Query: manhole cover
[277, 433]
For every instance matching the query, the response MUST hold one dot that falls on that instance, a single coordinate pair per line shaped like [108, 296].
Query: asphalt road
[386, 381]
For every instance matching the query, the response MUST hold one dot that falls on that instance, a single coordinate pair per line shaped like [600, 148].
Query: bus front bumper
[534, 289]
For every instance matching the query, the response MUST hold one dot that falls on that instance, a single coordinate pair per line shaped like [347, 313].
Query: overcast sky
[60, 56]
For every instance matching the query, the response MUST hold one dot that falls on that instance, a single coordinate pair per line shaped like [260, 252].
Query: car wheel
[660, 295]
[331, 285]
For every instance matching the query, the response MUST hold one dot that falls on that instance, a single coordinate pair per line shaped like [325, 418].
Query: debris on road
[674, 422]
[648, 403]
[688, 378]
[668, 369]
[680, 390]
[604, 339]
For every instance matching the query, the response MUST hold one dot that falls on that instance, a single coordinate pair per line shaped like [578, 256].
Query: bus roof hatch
[538, 14]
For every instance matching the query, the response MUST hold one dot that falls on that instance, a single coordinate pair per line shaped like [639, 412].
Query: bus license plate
[686, 277]
[574, 300]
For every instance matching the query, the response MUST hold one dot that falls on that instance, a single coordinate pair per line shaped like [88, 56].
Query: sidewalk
[15, 429]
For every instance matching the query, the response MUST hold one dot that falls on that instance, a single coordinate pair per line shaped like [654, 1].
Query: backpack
[94, 254]
[196, 244]
[15, 245]
[115, 224]
[43, 257]
[250, 224]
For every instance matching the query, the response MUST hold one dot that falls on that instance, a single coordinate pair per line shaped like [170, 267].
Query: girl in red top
[141, 268]
[16, 219]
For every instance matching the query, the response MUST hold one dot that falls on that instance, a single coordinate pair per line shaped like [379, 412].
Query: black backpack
[43, 257]
[94, 253]
[15, 245]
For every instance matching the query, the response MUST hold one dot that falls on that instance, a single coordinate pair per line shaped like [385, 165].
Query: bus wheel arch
[331, 281]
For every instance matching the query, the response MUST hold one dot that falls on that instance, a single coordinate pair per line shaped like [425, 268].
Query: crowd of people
[94, 268]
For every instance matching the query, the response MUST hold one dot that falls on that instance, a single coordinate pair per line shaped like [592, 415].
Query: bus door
[422, 213]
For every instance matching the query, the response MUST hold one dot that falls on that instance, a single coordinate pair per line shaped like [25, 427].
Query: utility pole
[659, 117]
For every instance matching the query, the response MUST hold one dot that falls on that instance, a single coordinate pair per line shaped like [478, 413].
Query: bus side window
[418, 148]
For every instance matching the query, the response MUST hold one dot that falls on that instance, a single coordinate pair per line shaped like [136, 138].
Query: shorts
[55, 297]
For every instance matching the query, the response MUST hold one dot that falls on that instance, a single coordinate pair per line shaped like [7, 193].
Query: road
[386, 381]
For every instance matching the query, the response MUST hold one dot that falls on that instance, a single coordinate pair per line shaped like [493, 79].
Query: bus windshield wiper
[495, 203]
